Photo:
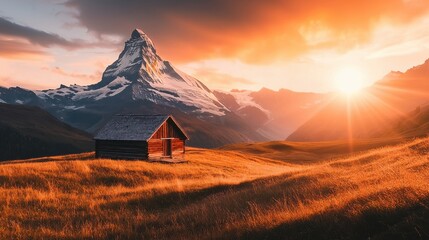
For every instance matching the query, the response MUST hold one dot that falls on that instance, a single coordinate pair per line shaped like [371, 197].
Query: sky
[242, 44]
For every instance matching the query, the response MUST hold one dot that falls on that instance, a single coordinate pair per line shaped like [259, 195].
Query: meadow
[381, 193]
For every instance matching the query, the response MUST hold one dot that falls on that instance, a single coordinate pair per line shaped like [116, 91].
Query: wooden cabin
[147, 137]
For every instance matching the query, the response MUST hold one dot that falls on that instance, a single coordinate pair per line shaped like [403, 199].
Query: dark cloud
[118, 17]
[35, 36]
[45, 39]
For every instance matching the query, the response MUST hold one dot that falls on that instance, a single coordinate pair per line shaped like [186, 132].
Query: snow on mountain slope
[186, 92]
[76, 92]
[111, 89]
[244, 99]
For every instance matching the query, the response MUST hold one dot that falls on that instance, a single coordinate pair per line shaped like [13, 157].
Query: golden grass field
[309, 152]
[220, 194]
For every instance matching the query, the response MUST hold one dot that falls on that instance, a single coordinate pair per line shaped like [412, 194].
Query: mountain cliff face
[140, 81]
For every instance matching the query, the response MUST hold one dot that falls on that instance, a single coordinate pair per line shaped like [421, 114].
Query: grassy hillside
[31, 132]
[381, 194]
[310, 152]
[414, 124]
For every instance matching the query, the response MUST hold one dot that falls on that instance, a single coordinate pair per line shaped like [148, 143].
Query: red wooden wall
[155, 146]
[168, 130]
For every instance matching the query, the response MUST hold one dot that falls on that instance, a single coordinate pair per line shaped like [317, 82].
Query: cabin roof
[133, 127]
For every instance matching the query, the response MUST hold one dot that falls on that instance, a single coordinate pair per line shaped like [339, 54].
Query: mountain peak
[138, 33]
[139, 36]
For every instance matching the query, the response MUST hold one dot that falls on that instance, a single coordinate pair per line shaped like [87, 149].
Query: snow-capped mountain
[146, 76]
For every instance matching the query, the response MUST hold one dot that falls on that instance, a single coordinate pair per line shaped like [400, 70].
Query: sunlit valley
[214, 120]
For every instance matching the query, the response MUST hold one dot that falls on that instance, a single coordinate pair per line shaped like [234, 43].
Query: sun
[349, 80]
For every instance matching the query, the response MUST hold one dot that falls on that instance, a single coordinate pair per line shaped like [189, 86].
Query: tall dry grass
[382, 193]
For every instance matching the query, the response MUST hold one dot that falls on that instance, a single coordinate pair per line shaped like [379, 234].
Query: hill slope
[378, 194]
[31, 132]
[310, 152]
[414, 124]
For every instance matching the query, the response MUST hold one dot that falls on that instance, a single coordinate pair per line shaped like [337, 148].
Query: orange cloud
[83, 77]
[13, 48]
[10, 82]
[218, 80]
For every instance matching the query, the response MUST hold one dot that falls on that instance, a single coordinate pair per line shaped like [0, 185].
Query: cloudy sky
[246, 44]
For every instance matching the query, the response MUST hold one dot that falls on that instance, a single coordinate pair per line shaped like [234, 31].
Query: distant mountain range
[140, 81]
[274, 114]
[28, 132]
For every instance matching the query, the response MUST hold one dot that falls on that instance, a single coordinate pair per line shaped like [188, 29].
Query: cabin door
[166, 147]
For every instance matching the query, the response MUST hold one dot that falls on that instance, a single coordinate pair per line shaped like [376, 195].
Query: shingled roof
[131, 127]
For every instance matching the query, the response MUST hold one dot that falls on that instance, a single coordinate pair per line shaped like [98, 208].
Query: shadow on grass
[411, 222]
[71, 157]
